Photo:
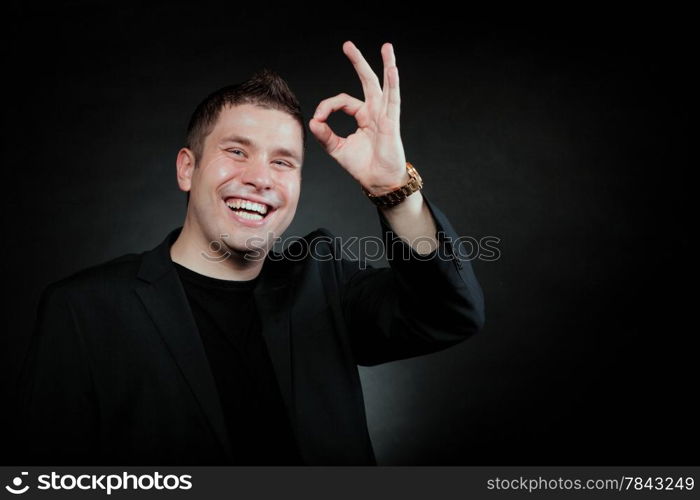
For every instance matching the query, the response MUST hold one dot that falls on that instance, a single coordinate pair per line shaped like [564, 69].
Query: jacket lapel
[164, 298]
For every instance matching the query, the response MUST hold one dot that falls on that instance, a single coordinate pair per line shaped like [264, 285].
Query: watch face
[413, 172]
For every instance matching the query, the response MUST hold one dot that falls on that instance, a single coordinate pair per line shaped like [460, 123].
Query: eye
[283, 163]
[234, 150]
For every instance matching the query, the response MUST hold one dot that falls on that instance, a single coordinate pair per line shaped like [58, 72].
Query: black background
[564, 134]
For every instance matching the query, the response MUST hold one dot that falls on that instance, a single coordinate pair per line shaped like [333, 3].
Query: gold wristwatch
[396, 196]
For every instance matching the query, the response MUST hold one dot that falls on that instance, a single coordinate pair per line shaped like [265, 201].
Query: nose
[257, 173]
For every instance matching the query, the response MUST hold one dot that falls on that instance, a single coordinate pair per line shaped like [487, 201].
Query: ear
[185, 168]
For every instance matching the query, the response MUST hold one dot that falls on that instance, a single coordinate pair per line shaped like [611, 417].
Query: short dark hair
[266, 89]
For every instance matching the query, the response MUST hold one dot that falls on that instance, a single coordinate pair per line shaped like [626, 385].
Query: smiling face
[247, 181]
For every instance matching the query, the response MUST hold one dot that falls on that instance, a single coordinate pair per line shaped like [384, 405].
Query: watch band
[398, 195]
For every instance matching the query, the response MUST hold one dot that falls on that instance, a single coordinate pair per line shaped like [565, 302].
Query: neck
[193, 251]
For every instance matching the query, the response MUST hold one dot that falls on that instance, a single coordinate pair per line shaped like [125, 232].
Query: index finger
[370, 81]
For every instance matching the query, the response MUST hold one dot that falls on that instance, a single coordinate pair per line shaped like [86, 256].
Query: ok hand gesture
[373, 154]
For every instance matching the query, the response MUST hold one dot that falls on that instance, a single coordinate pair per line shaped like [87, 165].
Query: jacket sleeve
[56, 406]
[418, 305]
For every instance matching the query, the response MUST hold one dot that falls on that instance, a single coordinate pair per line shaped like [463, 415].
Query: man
[214, 349]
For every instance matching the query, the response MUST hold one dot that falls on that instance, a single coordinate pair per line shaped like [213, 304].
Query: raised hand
[373, 154]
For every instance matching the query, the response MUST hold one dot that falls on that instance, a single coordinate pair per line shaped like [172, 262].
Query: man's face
[247, 182]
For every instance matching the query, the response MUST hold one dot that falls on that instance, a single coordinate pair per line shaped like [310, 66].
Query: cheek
[216, 172]
[291, 187]
[212, 176]
[220, 172]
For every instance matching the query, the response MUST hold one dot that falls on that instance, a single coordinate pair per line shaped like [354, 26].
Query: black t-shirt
[230, 328]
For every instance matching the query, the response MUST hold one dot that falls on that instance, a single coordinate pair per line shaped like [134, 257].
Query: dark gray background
[564, 135]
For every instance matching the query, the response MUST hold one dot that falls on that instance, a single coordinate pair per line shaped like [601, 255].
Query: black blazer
[117, 374]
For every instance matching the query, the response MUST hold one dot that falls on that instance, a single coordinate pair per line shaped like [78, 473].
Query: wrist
[382, 189]
[397, 194]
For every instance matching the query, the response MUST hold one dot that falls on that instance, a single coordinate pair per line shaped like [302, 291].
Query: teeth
[237, 203]
[248, 215]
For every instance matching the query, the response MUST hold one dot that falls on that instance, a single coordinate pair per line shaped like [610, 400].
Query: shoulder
[107, 275]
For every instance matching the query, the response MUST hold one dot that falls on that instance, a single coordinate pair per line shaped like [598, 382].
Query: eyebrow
[249, 142]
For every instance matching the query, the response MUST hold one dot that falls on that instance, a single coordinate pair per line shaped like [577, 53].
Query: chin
[246, 244]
